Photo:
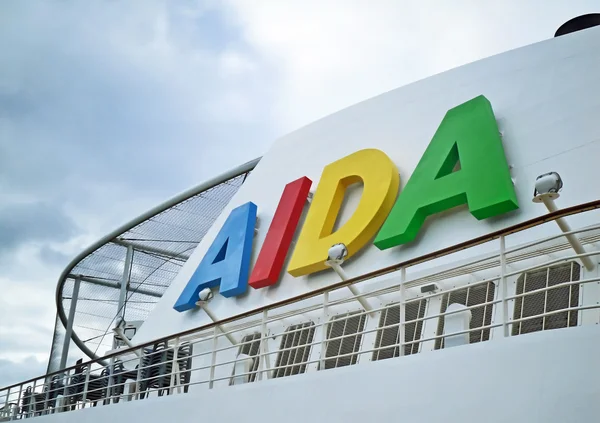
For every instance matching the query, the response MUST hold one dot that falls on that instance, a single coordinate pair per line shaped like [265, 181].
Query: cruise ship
[427, 255]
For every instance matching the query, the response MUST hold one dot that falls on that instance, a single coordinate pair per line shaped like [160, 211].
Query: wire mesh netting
[390, 335]
[161, 245]
[554, 299]
[341, 342]
[294, 349]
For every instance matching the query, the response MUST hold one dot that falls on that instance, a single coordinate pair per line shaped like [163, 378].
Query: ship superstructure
[484, 308]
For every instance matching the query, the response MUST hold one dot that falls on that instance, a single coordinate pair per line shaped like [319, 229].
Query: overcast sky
[110, 107]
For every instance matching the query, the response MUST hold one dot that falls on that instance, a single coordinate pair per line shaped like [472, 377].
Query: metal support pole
[109, 381]
[338, 269]
[564, 226]
[121, 335]
[503, 287]
[125, 281]
[69, 328]
[323, 331]
[213, 359]
[402, 305]
[19, 397]
[175, 379]
[120, 315]
[152, 250]
[210, 314]
[264, 362]
[115, 285]
[86, 384]
[5, 410]
[138, 378]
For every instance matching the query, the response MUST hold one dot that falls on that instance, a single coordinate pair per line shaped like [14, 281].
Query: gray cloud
[106, 109]
[53, 256]
[127, 97]
[16, 371]
[23, 223]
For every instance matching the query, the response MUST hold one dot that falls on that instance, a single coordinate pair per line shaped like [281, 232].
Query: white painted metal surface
[488, 382]
[546, 98]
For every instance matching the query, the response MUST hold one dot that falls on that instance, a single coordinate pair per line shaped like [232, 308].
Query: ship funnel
[578, 23]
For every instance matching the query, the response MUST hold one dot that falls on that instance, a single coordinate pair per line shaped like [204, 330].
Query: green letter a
[469, 135]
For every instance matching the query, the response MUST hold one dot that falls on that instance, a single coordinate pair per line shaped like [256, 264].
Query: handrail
[592, 205]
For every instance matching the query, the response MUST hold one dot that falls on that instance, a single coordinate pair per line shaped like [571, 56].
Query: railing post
[86, 384]
[138, 381]
[47, 387]
[324, 330]
[175, 369]
[213, 358]
[33, 399]
[264, 363]
[19, 399]
[109, 383]
[503, 287]
[401, 328]
[14, 412]
[6, 407]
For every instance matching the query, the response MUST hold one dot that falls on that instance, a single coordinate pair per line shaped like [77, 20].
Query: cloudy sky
[110, 107]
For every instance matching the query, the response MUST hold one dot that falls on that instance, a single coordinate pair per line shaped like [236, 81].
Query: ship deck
[429, 303]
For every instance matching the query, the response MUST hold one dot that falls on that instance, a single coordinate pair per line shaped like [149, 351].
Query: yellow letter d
[380, 181]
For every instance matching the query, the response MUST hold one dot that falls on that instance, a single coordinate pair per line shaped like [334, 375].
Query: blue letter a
[227, 261]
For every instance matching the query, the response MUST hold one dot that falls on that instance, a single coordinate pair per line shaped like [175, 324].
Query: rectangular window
[295, 349]
[347, 328]
[390, 336]
[480, 316]
[546, 301]
[250, 346]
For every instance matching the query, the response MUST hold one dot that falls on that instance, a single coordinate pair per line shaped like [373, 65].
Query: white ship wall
[546, 98]
[548, 377]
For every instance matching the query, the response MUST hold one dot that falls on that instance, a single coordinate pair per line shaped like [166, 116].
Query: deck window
[250, 346]
[390, 336]
[294, 350]
[344, 336]
[480, 316]
[553, 299]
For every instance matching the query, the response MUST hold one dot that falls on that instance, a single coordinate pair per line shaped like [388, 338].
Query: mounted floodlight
[547, 187]
[337, 253]
[205, 296]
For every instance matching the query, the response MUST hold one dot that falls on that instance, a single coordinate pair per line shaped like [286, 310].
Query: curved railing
[412, 306]
[120, 250]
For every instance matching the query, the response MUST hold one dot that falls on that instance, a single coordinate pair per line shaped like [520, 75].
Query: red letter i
[279, 237]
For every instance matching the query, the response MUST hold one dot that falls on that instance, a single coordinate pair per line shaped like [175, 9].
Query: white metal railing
[300, 331]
